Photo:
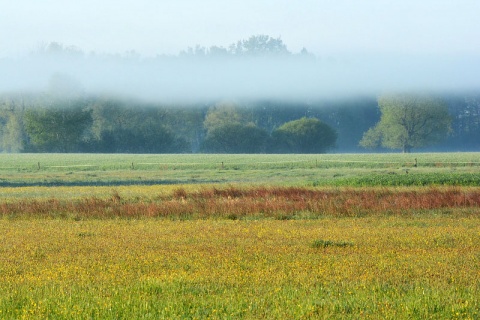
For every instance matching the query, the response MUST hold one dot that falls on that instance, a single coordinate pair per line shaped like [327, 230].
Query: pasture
[391, 236]
[263, 169]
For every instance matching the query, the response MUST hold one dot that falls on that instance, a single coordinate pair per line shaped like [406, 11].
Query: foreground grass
[389, 267]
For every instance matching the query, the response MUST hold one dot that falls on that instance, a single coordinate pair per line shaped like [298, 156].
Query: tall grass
[250, 202]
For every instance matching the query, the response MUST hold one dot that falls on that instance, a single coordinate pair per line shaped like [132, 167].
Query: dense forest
[80, 113]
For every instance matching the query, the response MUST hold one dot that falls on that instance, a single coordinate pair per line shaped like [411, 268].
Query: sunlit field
[190, 237]
[383, 267]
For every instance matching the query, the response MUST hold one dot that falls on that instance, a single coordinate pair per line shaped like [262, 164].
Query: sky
[153, 27]
[363, 46]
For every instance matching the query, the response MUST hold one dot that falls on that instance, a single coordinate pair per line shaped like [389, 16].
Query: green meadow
[266, 169]
[369, 236]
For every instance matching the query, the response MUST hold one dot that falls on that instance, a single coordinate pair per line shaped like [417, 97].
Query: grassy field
[384, 267]
[264, 236]
[286, 170]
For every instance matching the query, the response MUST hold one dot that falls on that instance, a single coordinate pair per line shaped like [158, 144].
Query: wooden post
[222, 165]
[133, 166]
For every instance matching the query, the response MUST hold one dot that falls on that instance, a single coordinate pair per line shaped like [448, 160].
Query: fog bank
[193, 79]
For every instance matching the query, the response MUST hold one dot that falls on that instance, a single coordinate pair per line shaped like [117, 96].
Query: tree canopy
[236, 138]
[305, 135]
[56, 128]
[408, 121]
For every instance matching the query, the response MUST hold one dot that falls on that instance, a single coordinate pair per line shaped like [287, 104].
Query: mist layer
[192, 79]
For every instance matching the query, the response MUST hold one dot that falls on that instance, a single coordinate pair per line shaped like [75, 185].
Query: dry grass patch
[249, 202]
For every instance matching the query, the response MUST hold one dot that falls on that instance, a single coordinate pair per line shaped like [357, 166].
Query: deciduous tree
[57, 129]
[408, 121]
[236, 138]
[306, 135]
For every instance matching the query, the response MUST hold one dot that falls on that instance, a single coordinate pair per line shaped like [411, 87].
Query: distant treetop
[255, 46]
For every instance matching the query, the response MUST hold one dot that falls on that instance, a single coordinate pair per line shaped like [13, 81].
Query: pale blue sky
[363, 46]
[324, 27]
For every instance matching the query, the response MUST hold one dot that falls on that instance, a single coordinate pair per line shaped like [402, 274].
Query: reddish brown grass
[236, 203]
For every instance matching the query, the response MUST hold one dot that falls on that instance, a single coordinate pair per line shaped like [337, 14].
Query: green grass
[414, 179]
[315, 170]
[320, 243]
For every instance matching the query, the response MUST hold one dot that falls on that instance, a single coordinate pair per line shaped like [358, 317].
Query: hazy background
[150, 27]
[359, 47]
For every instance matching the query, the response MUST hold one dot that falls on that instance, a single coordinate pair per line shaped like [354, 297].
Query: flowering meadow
[388, 267]
[95, 243]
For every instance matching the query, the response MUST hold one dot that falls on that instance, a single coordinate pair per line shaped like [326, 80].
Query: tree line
[49, 122]
[31, 123]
